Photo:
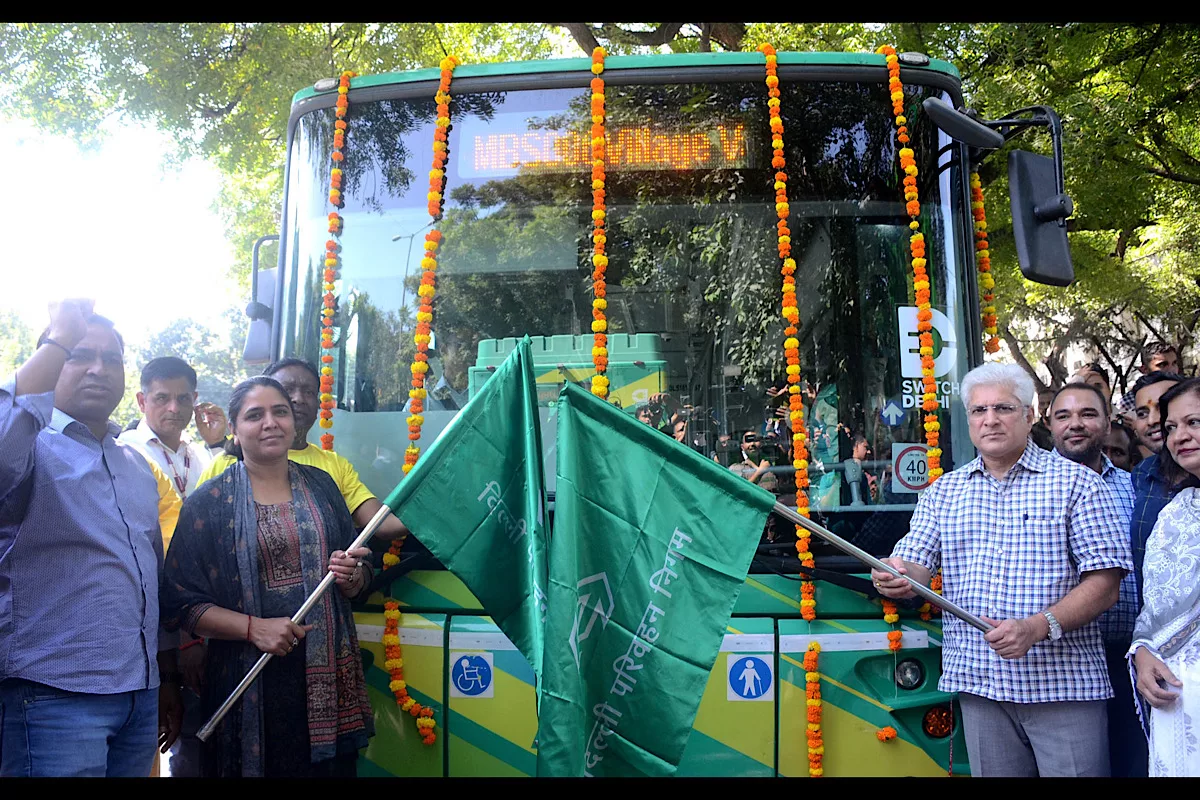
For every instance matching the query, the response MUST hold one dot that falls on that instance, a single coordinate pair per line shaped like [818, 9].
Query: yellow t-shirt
[169, 504]
[342, 471]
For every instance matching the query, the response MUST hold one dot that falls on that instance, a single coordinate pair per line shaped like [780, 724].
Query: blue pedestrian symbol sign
[891, 413]
[471, 675]
[750, 678]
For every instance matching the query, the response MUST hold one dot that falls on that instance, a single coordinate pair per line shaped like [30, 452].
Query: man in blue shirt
[80, 557]
[1151, 491]
[1079, 423]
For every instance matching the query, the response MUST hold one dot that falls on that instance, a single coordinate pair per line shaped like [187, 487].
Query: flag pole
[862, 555]
[297, 618]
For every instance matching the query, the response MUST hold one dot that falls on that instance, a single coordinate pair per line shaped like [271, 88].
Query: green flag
[651, 546]
[477, 500]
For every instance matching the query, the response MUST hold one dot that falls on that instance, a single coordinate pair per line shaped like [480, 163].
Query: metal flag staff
[865, 557]
[297, 618]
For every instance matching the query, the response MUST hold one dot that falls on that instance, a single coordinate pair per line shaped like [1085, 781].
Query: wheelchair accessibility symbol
[750, 678]
[471, 675]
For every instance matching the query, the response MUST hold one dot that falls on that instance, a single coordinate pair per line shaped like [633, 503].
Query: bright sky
[114, 224]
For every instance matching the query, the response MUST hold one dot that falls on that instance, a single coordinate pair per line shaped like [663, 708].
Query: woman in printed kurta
[1165, 655]
[251, 544]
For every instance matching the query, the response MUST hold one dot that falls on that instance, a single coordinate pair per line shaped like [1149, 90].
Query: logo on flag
[602, 609]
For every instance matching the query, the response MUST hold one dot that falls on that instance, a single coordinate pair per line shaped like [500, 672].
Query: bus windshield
[694, 297]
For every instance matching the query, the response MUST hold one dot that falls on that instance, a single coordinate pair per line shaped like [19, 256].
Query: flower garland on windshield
[332, 259]
[791, 348]
[791, 313]
[920, 277]
[599, 259]
[394, 664]
[983, 260]
[436, 198]
[422, 335]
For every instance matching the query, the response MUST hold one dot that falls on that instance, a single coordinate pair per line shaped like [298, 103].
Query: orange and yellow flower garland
[891, 615]
[812, 698]
[395, 667]
[928, 609]
[421, 335]
[791, 346]
[332, 260]
[886, 734]
[599, 259]
[417, 394]
[920, 276]
[983, 260]
[791, 313]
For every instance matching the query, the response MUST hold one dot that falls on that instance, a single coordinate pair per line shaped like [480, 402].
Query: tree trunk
[1014, 348]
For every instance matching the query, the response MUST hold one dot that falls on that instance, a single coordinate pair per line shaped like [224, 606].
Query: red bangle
[192, 643]
[248, 618]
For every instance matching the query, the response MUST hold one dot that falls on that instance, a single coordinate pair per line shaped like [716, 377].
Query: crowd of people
[1084, 570]
[142, 573]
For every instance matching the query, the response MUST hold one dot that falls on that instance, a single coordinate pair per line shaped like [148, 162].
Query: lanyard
[180, 483]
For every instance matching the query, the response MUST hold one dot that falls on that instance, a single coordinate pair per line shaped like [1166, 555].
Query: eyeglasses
[1002, 409]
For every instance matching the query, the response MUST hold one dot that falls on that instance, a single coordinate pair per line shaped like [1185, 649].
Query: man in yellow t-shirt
[302, 383]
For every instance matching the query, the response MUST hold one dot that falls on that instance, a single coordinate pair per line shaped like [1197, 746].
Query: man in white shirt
[167, 401]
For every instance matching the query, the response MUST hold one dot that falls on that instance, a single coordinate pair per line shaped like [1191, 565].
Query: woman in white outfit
[1165, 655]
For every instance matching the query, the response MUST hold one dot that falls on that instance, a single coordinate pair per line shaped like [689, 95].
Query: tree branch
[1014, 347]
[661, 35]
[729, 34]
[1155, 42]
[1142, 319]
[582, 33]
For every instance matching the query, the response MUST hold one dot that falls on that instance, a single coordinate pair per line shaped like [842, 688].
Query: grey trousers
[1028, 740]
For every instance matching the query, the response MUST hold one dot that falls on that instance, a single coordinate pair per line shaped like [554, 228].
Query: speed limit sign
[910, 469]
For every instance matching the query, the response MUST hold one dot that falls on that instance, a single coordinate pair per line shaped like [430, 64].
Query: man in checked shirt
[1036, 546]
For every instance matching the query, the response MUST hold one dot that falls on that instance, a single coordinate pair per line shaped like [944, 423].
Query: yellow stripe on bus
[841, 685]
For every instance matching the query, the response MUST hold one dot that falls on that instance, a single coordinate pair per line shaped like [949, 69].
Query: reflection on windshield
[694, 287]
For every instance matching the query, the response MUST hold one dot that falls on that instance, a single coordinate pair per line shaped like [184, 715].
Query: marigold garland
[886, 734]
[599, 238]
[417, 394]
[395, 667]
[891, 615]
[423, 331]
[987, 283]
[791, 313]
[928, 610]
[920, 277]
[332, 259]
[812, 699]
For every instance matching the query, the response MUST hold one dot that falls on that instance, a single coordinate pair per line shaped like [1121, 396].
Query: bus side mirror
[961, 127]
[260, 310]
[1039, 213]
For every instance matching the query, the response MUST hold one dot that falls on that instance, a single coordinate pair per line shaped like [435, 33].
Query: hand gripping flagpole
[865, 557]
[297, 618]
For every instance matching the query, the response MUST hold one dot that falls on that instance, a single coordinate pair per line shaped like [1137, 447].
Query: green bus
[695, 347]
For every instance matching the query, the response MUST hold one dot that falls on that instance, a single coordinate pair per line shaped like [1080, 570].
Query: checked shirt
[1010, 549]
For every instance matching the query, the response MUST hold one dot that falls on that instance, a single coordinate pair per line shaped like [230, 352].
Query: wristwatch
[1056, 630]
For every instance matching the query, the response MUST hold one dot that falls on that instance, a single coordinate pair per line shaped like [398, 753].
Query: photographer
[754, 466]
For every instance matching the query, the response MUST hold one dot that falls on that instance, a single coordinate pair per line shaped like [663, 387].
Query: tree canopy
[1127, 95]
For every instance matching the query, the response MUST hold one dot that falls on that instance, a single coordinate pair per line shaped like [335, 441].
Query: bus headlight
[909, 674]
